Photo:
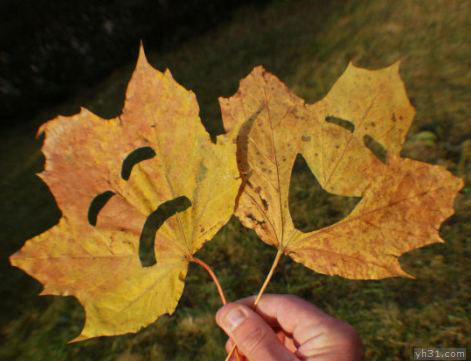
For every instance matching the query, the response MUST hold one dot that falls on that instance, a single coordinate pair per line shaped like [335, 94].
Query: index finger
[293, 314]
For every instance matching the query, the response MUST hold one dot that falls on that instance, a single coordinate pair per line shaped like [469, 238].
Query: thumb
[253, 336]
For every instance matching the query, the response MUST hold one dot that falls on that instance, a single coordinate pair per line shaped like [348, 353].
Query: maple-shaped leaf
[403, 201]
[109, 178]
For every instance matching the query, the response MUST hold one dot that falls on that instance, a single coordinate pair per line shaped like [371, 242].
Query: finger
[293, 314]
[229, 345]
[284, 340]
[253, 336]
[281, 335]
[335, 340]
[290, 344]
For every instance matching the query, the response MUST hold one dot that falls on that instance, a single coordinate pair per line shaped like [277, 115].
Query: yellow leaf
[267, 118]
[402, 209]
[403, 201]
[96, 259]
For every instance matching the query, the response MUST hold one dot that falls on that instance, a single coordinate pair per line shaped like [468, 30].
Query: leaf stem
[213, 276]
[279, 253]
[218, 286]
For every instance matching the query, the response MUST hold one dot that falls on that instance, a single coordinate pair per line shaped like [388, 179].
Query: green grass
[308, 45]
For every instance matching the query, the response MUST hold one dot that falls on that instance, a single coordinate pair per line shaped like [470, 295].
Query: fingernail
[234, 318]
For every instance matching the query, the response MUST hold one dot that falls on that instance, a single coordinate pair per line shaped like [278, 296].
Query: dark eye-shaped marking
[131, 160]
[97, 205]
[136, 156]
[154, 220]
[346, 124]
[378, 150]
[153, 223]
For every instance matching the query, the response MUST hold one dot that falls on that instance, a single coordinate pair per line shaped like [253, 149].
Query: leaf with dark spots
[367, 239]
[126, 173]
[156, 155]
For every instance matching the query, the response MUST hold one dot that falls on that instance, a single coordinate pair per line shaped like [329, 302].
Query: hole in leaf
[97, 205]
[136, 156]
[153, 223]
[378, 150]
[346, 124]
[311, 207]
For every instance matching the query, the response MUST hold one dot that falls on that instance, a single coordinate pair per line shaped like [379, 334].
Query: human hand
[287, 328]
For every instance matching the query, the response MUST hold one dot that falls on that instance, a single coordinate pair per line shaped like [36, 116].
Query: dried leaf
[403, 201]
[267, 118]
[86, 157]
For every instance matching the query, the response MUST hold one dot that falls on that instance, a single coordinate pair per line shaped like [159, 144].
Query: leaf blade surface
[84, 158]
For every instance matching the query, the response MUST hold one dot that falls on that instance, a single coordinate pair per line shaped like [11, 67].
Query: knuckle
[345, 332]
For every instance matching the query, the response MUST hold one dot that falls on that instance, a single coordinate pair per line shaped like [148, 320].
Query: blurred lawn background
[307, 44]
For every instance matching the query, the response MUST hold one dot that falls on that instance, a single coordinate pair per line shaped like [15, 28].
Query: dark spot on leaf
[258, 189]
[253, 219]
[136, 156]
[306, 138]
[97, 205]
[153, 222]
[346, 124]
[264, 203]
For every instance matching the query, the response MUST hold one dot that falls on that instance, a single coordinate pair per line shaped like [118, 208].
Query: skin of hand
[287, 328]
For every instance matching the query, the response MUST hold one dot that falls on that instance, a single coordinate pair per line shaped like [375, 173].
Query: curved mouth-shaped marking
[153, 222]
[313, 208]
